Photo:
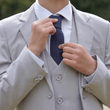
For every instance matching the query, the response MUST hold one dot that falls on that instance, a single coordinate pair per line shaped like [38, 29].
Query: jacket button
[58, 77]
[50, 95]
[36, 80]
[40, 77]
[87, 90]
[60, 101]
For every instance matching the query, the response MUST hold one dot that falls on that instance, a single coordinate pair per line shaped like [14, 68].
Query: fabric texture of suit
[25, 85]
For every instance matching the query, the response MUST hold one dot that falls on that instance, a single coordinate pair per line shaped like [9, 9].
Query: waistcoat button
[58, 77]
[60, 101]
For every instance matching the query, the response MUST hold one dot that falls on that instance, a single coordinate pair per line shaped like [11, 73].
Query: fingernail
[59, 46]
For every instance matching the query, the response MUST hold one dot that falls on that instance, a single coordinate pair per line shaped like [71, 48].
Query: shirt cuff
[89, 78]
[37, 60]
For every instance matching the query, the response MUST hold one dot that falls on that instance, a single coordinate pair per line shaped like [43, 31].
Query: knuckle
[44, 32]
[48, 19]
[53, 28]
[38, 28]
[51, 23]
[74, 63]
[76, 57]
[64, 61]
[81, 47]
[33, 23]
[63, 54]
[68, 43]
[65, 49]
[78, 51]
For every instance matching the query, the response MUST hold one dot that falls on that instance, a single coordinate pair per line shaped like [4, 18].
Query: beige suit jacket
[25, 85]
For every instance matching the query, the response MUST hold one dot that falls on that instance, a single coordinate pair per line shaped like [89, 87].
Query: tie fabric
[56, 40]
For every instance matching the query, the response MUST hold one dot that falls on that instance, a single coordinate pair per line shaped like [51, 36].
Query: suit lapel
[84, 30]
[27, 18]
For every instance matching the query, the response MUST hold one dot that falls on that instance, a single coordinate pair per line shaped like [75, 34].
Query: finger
[67, 56]
[68, 62]
[72, 45]
[61, 46]
[45, 20]
[38, 21]
[51, 30]
[68, 50]
[47, 24]
[69, 44]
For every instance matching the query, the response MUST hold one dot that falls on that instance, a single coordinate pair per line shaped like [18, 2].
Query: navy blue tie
[56, 40]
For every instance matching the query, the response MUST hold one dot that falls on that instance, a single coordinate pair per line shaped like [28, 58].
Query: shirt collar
[42, 13]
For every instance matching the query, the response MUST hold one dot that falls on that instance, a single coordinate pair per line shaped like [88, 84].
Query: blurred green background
[98, 7]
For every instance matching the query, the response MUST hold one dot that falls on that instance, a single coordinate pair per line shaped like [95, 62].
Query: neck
[53, 5]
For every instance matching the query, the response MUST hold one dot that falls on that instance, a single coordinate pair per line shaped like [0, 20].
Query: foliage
[10, 7]
[98, 7]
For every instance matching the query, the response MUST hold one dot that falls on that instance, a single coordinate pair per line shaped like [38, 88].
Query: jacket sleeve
[17, 78]
[99, 86]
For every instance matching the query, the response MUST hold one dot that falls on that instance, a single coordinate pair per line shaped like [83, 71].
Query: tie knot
[58, 23]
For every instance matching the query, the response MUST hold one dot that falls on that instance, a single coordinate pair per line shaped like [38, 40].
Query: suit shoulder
[95, 21]
[9, 26]
[93, 17]
[100, 25]
[15, 21]
[11, 21]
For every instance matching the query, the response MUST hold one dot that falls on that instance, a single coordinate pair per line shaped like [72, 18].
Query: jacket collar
[28, 17]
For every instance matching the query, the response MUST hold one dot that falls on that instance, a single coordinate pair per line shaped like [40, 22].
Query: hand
[76, 56]
[39, 34]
